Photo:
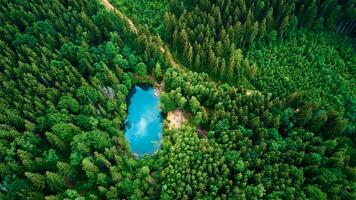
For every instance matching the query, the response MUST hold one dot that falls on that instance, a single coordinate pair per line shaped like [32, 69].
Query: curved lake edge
[156, 88]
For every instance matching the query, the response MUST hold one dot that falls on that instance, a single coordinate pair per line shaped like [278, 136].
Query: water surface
[144, 122]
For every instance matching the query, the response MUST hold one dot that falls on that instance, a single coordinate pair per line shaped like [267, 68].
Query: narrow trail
[110, 7]
[162, 47]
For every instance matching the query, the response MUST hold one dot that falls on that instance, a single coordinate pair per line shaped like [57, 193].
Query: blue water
[144, 123]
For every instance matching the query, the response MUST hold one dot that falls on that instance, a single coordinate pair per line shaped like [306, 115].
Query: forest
[268, 88]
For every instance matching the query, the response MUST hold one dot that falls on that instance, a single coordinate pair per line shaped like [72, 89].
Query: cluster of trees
[194, 167]
[321, 65]
[258, 146]
[65, 71]
[147, 13]
[206, 34]
[66, 68]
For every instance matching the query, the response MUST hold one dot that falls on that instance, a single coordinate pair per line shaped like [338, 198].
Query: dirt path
[161, 45]
[108, 6]
[175, 119]
[163, 48]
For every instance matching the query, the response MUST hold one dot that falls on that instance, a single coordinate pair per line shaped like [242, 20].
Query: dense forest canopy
[321, 65]
[146, 13]
[207, 35]
[270, 95]
[272, 46]
[66, 68]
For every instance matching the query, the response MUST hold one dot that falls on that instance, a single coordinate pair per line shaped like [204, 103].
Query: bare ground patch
[175, 119]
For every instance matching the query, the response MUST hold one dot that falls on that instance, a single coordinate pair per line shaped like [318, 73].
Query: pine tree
[251, 71]
[232, 69]
[183, 41]
[157, 71]
[197, 61]
[169, 21]
[211, 61]
[269, 19]
[284, 28]
[189, 55]
[263, 28]
[55, 181]
[254, 32]
[90, 169]
[37, 180]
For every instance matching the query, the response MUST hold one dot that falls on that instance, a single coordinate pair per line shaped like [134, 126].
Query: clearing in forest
[175, 119]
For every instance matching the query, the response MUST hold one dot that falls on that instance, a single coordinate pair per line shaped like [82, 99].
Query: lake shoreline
[144, 122]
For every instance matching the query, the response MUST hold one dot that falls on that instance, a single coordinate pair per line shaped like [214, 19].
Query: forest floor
[175, 119]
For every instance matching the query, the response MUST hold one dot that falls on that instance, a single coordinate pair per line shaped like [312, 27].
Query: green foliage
[55, 182]
[149, 13]
[258, 147]
[37, 180]
[158, 71]
[69, 103]
[68, 71]
[167, 104]
[319, 64]
[206, 35]
[66, 68]
[190, 166]
[141, 69]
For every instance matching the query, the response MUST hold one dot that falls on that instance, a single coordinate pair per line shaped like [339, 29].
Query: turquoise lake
[144, 123]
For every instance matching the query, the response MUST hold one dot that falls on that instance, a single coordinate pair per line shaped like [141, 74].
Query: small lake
[144, 123]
